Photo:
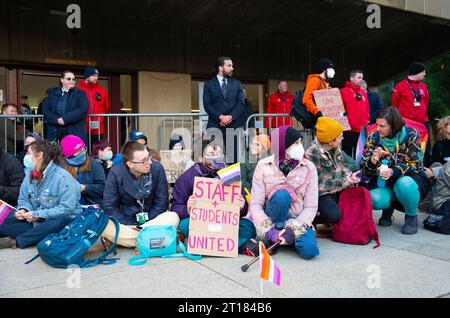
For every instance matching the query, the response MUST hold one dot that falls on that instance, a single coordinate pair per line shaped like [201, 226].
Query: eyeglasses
[146, 160]
[70, 79]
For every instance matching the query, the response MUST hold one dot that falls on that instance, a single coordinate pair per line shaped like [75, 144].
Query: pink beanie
[72, 144]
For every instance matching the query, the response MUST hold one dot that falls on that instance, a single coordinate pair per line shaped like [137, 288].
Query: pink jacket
[302, 182]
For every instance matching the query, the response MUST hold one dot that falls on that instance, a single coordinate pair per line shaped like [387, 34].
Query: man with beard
[223, 100]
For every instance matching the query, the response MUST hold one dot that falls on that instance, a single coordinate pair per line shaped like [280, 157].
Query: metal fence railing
[158, 128]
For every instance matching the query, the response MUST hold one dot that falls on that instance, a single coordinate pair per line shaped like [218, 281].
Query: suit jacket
[216, 104]
[74, 116]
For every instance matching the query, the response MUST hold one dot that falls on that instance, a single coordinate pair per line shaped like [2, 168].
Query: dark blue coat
[74, 116]
[216, 104]
[119, 198]
[376, 103]
[94, 180]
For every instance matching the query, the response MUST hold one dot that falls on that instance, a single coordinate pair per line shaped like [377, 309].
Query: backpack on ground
[356, 225]
[438, 222]
[69, 246]
[299, 111]
[159, 241]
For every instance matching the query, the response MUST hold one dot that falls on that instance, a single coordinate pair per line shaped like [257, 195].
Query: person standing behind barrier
[248, 110]
[318, 81]
[11, 136]
[223, 100]
[334, 175]
[280, 103]
[89, 173]
[49, 199]
[375, 102]
[411, 98]
[284, 195]
[136, 193]
[98, 103]
[406, 183]
[356, 104]
[65, 110]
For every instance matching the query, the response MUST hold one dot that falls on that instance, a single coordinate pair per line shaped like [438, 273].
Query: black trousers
[350, 142]
[328, 211]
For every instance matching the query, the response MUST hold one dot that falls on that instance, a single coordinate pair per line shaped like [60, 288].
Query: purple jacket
[184, 187]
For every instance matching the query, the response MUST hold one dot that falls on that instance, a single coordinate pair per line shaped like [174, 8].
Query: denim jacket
[57, 194]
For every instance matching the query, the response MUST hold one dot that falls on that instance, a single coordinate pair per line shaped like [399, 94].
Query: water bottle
[384, 167]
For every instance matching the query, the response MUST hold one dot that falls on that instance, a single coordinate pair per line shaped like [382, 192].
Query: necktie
[224, 87]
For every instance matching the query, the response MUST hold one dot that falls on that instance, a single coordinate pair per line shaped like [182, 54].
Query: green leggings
[406, 191]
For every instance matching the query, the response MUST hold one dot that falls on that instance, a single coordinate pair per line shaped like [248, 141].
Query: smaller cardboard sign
[174, 162]
[330, 103]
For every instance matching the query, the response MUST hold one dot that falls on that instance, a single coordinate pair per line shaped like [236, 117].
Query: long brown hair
[48, 153]
[60, 160]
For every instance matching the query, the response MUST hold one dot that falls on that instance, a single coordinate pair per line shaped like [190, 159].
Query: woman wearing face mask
[405, 182]
[259, 149]
[102, 153]
[284, 195]
[89, 173]
[48, 201]
[334, 175]
[320, 80]
[211, 161]
[31, 137]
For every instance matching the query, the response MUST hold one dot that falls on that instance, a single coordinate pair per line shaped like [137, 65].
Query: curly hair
[442, 127]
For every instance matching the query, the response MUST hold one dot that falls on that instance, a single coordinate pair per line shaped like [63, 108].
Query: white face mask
[330, 73]
[296, 152]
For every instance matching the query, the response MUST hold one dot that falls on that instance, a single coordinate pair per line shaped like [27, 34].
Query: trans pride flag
[269, 270]
[5, 209]
[230, 174]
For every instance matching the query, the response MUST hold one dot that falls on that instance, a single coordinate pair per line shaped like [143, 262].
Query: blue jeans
[27, 234]
[277, 210]
[246, 231]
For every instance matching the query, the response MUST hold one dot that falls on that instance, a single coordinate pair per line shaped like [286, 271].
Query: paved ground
[404, 266]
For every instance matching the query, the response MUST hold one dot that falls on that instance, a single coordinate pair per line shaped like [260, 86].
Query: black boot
[386, 218]
[411, 225]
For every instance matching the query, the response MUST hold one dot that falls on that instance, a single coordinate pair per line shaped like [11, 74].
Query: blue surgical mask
[108, 155]
[78, 160]
[28, 162]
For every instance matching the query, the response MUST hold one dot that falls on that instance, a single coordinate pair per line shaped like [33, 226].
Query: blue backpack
[159, 241]
[69, 246]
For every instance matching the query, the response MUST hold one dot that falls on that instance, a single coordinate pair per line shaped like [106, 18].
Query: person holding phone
[334, 174]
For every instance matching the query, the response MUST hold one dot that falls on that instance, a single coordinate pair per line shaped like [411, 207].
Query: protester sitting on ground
[136, 193]
[177, 143]
[259, 149]
[49, 200]
[439, 175]
[30, 138]
[102, 153]
[441, 149]
[11, 177]
[212, 160]
[284, 195]
[334, 175]
[405, 180]
[89, 173]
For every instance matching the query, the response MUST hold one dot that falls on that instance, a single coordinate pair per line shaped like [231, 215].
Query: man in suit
[223, 100]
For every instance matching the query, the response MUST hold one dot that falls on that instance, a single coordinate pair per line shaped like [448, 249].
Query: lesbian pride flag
[269, 270]
[230, 174]
[5, 209]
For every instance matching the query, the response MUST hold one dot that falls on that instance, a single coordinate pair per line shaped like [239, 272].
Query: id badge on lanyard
[416, 103]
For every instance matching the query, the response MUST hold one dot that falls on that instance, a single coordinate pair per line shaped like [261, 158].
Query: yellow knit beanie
[328, 129]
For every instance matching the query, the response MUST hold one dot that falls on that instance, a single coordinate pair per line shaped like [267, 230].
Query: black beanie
[417, 68]
[89, 71]
[292, 135]
[323, 65]
[175, 139]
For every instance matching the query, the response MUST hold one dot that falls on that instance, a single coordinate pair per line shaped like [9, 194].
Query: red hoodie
[403, 99]
[358, 112]
[279, 104]
[98, 104]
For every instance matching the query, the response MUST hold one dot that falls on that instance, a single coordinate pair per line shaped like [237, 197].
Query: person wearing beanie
[334, 175]
[280, 103]
[283, 202]
[324, 72]
[356, 104]
[65, 110]
[89, 173]
[98, 103]
[411, 98]
[259, 149]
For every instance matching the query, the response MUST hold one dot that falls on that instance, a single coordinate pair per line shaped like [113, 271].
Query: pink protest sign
[330, 103]
[214, 220]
